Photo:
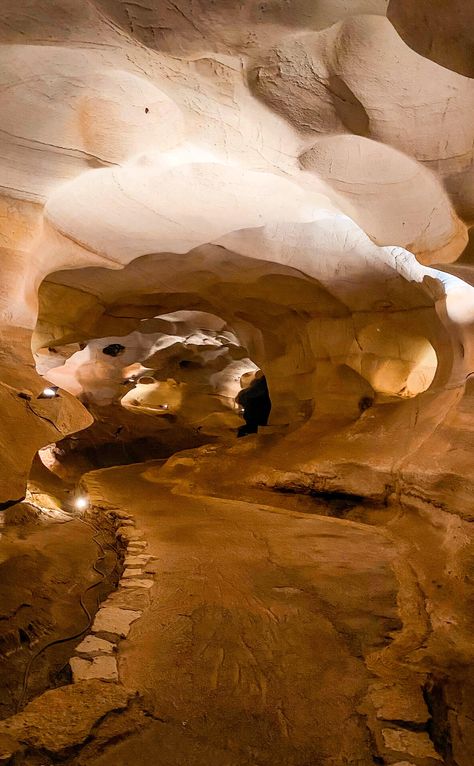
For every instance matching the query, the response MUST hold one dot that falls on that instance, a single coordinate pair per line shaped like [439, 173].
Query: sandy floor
[253, 649]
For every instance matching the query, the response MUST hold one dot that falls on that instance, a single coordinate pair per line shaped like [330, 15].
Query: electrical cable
[82, 603]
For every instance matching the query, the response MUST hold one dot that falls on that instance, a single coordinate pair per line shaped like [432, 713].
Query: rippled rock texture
[195, 193]
[292, 177]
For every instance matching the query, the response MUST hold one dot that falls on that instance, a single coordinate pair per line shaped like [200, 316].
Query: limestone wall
[303, 172]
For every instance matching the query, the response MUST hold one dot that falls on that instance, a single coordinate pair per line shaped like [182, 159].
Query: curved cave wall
[131, 194]
[196, 196]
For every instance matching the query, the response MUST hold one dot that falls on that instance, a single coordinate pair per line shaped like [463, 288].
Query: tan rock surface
[136, 583]
[91, 645]
[440, 32]
[102, 667]
[63, 717]
[194, 195]
[241, 640]
[417, 744]
[114, 620]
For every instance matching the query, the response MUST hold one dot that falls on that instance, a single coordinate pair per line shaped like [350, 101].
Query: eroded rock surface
[237, 155]
[194, 195]
[63, 717]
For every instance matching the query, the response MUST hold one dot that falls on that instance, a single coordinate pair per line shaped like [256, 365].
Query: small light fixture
[81, 503]
[163, 406]
[49, 392]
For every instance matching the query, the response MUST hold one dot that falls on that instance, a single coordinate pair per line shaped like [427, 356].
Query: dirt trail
[252, 649]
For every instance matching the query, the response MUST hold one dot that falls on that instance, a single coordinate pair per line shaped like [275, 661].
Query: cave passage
[256, 405]
[224, 219]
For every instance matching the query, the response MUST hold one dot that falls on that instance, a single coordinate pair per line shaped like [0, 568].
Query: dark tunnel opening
[256, 405]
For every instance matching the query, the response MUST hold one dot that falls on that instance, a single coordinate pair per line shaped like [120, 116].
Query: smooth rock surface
[111, 619]
[139, 560]
[93, 645]
[200, 199]
[136, 599]
[130, 572]
[103, 668]
[136, 583]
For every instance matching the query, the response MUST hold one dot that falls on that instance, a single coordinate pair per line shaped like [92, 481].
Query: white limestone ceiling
[188, 376]
[190, 28]
[298, 135]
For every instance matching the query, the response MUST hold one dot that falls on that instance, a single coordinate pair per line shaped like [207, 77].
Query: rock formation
[194, 191]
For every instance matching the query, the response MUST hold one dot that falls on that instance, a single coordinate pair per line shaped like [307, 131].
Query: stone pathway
[63, 718]
[95, 656]
[255, 651]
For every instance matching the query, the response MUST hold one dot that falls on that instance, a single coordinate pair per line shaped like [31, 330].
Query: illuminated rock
[195, 194]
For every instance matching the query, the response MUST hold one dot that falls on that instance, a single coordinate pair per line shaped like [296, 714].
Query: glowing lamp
[81, 503]
[49, 392]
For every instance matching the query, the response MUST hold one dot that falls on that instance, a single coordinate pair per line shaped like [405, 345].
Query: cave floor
[44, 568]
[257, 644]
